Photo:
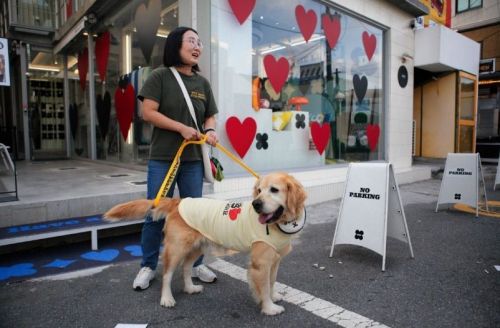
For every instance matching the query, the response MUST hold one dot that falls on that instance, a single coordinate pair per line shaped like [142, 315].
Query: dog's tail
[137, 209]
[134, 210]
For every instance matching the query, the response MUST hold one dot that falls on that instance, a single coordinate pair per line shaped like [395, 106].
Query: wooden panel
[438, 117]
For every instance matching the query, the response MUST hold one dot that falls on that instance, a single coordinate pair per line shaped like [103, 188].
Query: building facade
[446, 85]
[480, 21]
[299, 84]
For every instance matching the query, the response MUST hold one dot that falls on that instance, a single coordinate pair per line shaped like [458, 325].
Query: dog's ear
[255, 192]
[296, 197]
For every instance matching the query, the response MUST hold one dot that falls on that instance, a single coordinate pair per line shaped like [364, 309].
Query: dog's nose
[257, 205]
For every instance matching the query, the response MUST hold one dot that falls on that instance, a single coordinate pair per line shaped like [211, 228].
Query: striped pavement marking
[308, 302]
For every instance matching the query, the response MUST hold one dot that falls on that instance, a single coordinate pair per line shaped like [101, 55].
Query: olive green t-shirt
[162, 87]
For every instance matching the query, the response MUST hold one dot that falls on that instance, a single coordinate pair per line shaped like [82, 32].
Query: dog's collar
[293, 226]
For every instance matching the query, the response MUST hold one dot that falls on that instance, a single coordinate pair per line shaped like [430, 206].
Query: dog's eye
[258, 190]
[274, 190]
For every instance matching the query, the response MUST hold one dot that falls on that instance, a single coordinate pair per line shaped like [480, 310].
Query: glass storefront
[308, 75]
[334, 79]
[127, 64]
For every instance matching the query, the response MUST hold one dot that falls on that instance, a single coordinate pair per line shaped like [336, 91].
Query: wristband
[208, 130]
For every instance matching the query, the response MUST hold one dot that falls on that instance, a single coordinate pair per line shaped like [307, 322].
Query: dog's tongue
[263, 218]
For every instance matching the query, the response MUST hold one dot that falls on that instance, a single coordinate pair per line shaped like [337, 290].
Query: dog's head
[278, 197]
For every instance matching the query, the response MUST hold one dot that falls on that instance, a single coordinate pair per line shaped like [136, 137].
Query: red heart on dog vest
[241, 134]
[124, 104]
[277, 71]
[331, 27]
[233, 213]
[320, 135]
[306, 21]
[369, 43]
[242, 9]
[372, 132]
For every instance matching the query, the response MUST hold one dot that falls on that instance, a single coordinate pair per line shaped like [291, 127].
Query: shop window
[128, 62]
[337, 76]
[465, 5]
[35, 13]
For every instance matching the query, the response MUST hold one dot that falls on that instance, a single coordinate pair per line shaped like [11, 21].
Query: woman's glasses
[194, 42]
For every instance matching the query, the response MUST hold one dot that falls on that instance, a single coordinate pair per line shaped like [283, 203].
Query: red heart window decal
[241, 134]
[320, 135]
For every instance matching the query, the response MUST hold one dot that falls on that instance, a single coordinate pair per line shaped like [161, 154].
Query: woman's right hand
[189, 133]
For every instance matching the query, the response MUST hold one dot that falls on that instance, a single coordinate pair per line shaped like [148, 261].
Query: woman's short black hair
[171, 52]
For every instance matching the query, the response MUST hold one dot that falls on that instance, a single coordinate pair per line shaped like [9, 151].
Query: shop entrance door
[466, 113]
[47, 126]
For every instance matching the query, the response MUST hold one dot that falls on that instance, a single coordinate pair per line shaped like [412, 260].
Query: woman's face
[191, 48]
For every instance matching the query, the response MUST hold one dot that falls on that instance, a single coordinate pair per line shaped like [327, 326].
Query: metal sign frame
[461, 181]
[372, 202]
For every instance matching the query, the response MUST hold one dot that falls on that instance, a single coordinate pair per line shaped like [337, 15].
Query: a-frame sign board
[461, 179]
[371, 209]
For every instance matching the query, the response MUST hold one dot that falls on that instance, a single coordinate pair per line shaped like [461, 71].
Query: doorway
[466, 113]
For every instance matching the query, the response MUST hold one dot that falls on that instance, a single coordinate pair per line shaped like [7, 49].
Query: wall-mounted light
[45, 68]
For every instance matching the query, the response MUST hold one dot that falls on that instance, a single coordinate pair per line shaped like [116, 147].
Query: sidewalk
[51, 190]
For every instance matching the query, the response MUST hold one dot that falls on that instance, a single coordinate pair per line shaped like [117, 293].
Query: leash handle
[172, 171]
[174, 167]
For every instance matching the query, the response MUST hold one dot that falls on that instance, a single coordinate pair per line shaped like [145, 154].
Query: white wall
[488, 14]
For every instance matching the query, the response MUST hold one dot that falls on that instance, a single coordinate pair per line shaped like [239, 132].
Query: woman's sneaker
[203, 273]
[143, 278]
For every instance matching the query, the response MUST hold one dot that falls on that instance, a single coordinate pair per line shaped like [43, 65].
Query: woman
[165, 107]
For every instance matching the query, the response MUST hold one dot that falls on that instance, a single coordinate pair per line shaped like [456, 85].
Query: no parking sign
[461, 181]
[371, 209]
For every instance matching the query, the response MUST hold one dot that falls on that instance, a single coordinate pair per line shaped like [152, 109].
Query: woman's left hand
[212, 138]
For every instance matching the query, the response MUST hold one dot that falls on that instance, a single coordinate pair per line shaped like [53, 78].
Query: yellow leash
[172, 171]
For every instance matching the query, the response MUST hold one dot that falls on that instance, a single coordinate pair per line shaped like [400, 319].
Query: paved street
[451, 282]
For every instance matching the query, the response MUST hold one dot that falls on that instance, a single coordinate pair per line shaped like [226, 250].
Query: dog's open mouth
[267, 218]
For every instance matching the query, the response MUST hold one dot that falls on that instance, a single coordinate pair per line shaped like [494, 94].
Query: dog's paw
[277, 297]
[273, 309]
[194, 289]
[167, 302]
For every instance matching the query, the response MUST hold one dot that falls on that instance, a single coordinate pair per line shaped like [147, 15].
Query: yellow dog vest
[234, 225]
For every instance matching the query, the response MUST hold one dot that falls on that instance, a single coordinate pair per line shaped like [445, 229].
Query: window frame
[468, 6]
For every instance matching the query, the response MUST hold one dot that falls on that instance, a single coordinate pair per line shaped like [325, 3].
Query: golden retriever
[278, 198]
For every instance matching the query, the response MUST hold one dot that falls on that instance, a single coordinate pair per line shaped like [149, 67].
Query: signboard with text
[487, 66]
[371, 209]
[439, 13]
[4, 62]
[462, 177]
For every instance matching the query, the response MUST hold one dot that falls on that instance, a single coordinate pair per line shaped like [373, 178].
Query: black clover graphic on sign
[300, 121]
[458, 196]
[359, 234]
[261, 141]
